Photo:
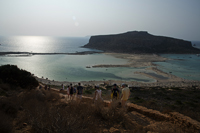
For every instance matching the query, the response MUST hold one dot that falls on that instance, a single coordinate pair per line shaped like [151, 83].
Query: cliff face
[140, 42]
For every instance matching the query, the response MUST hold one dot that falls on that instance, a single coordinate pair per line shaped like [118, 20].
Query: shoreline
[164, 84]
[31, 53]
[161, 78]
[133, 61]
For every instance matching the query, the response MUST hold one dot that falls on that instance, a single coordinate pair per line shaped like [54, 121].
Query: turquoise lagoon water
[186, 66]
[73, 67]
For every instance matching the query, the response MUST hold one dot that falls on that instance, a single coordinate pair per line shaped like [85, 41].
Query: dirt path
[150, 120]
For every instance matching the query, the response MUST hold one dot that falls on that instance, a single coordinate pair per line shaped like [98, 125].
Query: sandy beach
[137, 60]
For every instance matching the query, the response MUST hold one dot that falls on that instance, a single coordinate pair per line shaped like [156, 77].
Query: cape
[141, 42]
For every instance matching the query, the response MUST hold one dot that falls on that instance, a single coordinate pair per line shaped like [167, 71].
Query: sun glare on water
[34, 43]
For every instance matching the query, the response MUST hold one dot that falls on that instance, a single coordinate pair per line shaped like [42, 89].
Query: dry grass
[45, 116]
[42, 111]
[5, 123]
[185, 101]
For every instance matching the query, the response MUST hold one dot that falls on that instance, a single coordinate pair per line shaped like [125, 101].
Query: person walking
[125, 95]
[62, 87]
[68, 88]
[114, 93]
[79, 92]
[71, 91]
[40, 87]
[49, 87]
[98, 94]
[45, 87]
[75, 93]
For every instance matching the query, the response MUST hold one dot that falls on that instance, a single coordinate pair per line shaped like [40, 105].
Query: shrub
[6, 125]
[11, 74]
[8, 107]
[43, 115]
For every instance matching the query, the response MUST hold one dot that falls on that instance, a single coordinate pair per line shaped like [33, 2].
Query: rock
[25, 124]
[141, 42]
[105, 131]
[114, 130]
[54, 100]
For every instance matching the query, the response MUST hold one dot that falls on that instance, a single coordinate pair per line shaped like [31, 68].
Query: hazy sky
[173, 18]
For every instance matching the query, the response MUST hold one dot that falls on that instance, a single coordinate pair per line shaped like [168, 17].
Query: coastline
[31, 53]
[164, 84]
[134, 60]
[161, 78]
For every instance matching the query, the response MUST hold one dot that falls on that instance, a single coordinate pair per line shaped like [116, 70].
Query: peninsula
[141, 42]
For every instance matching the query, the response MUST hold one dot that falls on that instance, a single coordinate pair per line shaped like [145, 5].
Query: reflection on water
[73, 67]
[43, 44]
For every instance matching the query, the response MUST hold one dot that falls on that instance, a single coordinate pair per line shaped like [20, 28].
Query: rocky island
[141, 42]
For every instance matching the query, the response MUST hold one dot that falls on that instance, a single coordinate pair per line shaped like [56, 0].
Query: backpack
[115, 92]
[71, 90]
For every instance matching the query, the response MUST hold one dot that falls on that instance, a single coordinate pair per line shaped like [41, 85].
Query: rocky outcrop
[140, 42]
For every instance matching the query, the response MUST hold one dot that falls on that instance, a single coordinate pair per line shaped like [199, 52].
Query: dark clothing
[115, 91]
[71, 90]
[45, 87]
[80, 90]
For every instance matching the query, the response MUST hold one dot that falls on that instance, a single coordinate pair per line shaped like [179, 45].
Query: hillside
[27, 107]
[140, 42]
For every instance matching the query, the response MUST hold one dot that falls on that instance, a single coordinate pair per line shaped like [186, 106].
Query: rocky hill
[140, 42]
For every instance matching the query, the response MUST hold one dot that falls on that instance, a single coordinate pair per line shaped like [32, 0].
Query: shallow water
[158, 76]
[73, 67]
[181, 65]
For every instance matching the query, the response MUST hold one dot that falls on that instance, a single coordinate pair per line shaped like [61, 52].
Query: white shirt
[98, 94]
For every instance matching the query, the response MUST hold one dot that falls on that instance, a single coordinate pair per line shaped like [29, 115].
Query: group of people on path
[115, 94]
[73, 92]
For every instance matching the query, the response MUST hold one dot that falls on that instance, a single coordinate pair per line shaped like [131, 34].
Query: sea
[75, 68]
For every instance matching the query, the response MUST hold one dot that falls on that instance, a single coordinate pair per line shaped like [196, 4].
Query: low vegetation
[42, 111]
[183, 100]
[175, 99]
[16, 77]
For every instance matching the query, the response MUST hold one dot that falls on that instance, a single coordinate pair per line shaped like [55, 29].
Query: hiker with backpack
[115, 93]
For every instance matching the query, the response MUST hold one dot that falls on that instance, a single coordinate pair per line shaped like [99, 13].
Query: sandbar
[137, 60]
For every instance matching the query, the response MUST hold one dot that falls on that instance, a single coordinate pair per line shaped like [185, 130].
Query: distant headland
[141, 42]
